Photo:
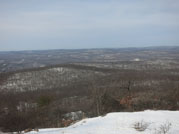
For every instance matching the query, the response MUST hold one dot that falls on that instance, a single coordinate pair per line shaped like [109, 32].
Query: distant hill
[17, 60]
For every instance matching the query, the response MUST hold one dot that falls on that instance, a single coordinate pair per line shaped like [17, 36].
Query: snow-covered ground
[150, 122]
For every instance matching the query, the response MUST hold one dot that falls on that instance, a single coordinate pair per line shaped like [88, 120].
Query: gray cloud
[78, 24]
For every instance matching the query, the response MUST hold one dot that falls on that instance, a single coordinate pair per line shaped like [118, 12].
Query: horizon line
[130, 47]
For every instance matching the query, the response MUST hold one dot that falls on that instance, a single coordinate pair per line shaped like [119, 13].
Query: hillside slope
[48, 78]
[154, 122]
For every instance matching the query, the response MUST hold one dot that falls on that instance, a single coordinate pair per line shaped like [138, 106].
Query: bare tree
[97, 94]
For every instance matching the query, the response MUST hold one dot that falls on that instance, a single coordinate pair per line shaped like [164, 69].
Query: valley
[90, 83]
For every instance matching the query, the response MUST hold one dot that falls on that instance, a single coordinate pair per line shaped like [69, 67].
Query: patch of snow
[121, 123]
[59, 69]
[136, 59]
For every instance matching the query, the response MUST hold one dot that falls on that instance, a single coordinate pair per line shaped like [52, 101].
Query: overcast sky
[73, 24]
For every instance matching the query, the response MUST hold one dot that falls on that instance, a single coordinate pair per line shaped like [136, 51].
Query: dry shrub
[164, 128]
[141, 126]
